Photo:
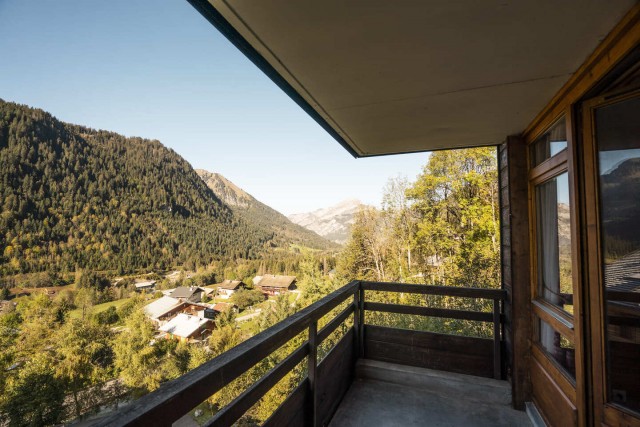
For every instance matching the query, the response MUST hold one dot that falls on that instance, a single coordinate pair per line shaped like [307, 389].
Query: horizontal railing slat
[623, 296]
[177, 397]
[429, 311]
[335, 322]
[435, 290]
[241, 404]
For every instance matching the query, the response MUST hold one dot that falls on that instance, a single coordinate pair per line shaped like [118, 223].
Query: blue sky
[157, 69]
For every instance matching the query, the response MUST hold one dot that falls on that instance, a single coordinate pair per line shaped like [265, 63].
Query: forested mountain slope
[263, 216]
[73, 197]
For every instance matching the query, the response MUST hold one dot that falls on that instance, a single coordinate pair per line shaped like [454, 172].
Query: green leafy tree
[457, 236]
[244, 298]
[39, 316]
[83, 358]
[85, 298]
[92, 280]
[35, 397]
[137, 361]
[366, 254]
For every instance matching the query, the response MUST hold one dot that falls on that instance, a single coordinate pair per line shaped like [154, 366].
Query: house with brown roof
[270, 284]
[224, 306]
[228, 287]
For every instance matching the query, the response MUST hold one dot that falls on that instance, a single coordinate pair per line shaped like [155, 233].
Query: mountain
[73, 197]
[620, 210]
[255, 212]
[333, 223]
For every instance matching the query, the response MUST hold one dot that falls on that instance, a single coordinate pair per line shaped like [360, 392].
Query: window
[553, 229]
[550, 144]
[553, 276]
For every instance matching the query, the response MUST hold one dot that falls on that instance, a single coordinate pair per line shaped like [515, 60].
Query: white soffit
[405, 76]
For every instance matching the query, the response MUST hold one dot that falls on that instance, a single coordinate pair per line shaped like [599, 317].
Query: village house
[187, 328]
[228, 288]
[224, 306]
[188, 293]
[270, 284]
[147, 285]
[161, 310]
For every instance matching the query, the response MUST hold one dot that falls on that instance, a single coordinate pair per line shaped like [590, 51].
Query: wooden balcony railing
[316, 398]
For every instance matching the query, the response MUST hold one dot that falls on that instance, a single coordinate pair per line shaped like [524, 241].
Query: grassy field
[77, 313]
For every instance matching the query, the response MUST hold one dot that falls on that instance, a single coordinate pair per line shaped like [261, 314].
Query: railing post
[497, 347]
[361, 320]
[312, 367]
[356, 321]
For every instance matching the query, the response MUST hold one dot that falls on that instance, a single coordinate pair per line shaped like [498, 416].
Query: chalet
[148, 285]
[161, 310]
[554, 86]
[228, 287]
[208, 292]
[188, 293]
[187, 328]
[275, 285]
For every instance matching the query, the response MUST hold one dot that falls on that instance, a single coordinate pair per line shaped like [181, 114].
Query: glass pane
[558, 347]
[554, 242]
[618, 140]
[549, 144]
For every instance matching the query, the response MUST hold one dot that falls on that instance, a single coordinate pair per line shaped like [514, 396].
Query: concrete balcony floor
[385, 394]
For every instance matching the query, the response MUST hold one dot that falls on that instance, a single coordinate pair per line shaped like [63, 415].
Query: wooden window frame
[609, 412]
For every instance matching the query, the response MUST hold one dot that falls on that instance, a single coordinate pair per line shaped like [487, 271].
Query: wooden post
[312, 367]
[497, 347]
[356, 322]
[361, 322]
[516, 251]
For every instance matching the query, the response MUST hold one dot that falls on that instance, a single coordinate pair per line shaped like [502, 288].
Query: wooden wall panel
[292, 412]
[558, 409]
[473, 356]
[335, 375]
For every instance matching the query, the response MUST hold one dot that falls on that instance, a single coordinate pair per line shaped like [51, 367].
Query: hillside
[73, 197]
[620, 210]
[255, 212]
[333, 223]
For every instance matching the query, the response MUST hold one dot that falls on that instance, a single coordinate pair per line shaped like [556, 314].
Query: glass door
[556, 366]
[612, 208]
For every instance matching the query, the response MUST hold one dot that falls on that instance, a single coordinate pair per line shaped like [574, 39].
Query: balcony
[361, 363]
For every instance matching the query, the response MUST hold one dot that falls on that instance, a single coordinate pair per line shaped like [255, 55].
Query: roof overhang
[386, 77]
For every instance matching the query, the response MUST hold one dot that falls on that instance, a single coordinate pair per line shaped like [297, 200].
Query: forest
[77, 198]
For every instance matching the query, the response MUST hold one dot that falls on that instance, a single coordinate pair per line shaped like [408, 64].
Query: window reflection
[618, 141]
[549, 144]
[554, 242]
[558, 347]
